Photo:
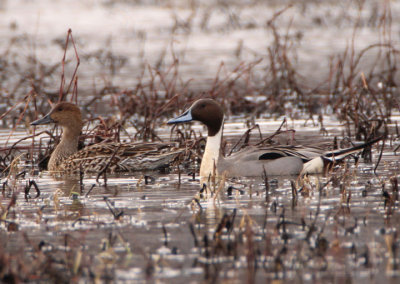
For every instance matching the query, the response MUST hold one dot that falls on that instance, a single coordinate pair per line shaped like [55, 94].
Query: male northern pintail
[118, 156]
[252, 161]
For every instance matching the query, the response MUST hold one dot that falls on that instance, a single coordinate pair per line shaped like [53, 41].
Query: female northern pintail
[118, 156]
[253, 161]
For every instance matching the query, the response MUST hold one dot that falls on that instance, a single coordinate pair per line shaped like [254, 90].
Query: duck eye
[60, 109]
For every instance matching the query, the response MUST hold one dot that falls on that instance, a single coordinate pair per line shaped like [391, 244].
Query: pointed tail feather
[340, 154]
[319, 164]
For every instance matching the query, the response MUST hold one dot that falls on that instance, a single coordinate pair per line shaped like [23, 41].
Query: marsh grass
[362, 99]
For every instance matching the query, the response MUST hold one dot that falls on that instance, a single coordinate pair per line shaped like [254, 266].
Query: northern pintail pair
[254, 161]
[117, 157]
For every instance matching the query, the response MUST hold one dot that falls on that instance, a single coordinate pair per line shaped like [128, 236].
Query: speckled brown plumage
[117, 157]
[120, 157]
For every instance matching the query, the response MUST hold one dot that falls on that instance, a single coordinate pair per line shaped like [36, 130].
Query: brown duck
[120, 157]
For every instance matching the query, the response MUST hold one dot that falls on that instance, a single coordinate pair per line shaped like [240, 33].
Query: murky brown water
[338, 234]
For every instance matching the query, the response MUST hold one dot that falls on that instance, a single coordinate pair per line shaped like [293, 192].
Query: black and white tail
[319, 164]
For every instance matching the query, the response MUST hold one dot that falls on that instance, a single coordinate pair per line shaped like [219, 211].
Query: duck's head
[206, 111]
[64, 114]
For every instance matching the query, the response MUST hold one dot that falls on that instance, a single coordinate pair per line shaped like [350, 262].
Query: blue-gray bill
[44, 120]
[185, 117]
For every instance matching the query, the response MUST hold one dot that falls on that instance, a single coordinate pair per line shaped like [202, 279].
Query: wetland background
[329, 69]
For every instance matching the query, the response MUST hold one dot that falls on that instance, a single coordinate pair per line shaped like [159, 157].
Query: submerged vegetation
[343, 226]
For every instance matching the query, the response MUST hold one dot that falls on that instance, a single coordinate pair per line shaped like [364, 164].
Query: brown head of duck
[211, 114]
[69, 117]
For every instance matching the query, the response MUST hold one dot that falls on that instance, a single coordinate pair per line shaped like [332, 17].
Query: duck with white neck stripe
[253, 161]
